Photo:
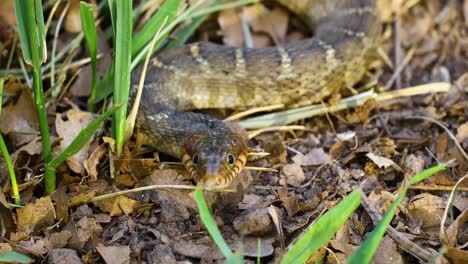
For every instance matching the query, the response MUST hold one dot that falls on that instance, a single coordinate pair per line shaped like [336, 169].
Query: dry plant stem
[438, 188]
[150, 187]
[398, 52]
[442, 235]
[260, 169]
[400, 68]
[133, 113]
[254, 110]
[258, 154]
[276, 128]
[459, 147]
[385, 58]
[403, 242]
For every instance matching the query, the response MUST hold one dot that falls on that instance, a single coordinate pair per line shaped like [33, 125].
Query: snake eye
[195, 159]
[230, 159]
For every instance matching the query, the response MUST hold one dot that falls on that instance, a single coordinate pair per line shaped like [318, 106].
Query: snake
[204, 75]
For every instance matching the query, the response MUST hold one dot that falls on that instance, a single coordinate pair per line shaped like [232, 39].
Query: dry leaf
[381, 162]
[114, 254]
[68, 130]
[19, 116]
[72, 23]
[294, 174]
[231, 29]
[36, 215]
[462, 132]
[118, 205]
[427, 208]
[316, 156]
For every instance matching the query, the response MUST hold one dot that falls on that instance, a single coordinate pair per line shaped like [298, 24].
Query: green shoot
[366, 250]
[14, 257]
[80, 140]
[6, 155]
[121, 11]
[323, 230]
[213, 230]
[31, 30]
[89, 30]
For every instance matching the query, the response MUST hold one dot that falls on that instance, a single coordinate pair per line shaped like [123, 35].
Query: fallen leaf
[254, 222]
[381, 162]
[118, 205]
[451, 234]
[19, 117]
[294, 174]
[114, 254]
[68, 130]
[36, 215]
[92, 162]
[274, 23]
[316, 156]
[428, 209]
[72, 23]
[387, 252]
[462, 132]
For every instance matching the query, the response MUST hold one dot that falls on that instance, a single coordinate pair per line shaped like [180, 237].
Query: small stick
[259, 169]
[275, 128]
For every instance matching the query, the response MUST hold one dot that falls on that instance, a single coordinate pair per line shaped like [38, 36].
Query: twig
[276, 128]
[442, 235]
[259, 169]
[404, 243]
[438, 188]
[133, 113]
[400, 68]
[151, 187]
[459, 147]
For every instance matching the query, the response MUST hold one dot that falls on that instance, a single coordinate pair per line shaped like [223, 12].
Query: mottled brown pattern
[205, 75]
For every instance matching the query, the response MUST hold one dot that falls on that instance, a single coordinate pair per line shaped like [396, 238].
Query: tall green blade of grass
[31, 30]
[14, 257]
[323, 230]
[182, 35]
[140, 39]
[366, 250]
[89, 30]
[6, 156]
[145, 35]
[213, 230]
[81, 139]
[122, 18]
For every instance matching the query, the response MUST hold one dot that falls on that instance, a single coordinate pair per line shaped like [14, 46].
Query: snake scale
[206, 75]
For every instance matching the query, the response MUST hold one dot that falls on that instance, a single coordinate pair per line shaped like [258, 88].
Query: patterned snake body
[205, 75]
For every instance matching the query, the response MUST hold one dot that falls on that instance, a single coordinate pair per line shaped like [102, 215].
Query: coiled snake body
[205, 75]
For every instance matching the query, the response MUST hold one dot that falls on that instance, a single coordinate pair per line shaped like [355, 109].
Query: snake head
[214, 160]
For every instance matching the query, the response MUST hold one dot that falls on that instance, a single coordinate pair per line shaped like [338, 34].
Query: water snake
[206, 75]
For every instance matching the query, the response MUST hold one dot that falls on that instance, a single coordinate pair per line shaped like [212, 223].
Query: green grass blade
[183, 34]
[145, 35]
[82, 138]
[40, 31]
[14, 257]
[24, 11]
[31, 28]
[6, 155]
[122, 61]
[11, 171]
[366, 250]
[89, 30]
[210, 223]
[323, 230]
